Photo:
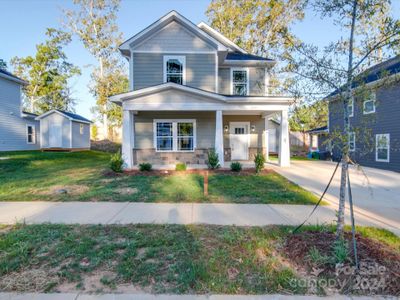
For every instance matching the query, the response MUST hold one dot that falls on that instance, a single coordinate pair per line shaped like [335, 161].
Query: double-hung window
[175, 69]
[382, 151]
[369, 104]
[30, 134]
[352, 141]
[175, 135]
[350, 107]
[240, 82]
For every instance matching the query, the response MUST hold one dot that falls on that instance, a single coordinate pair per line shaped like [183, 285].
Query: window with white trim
[175, 69]
[240, 82]
[81, 128]
[382, 148]
[369, 104]
[350, 108]
[175, 135]
[30, 134]
[352, 141]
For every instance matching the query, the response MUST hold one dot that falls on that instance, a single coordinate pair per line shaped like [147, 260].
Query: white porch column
[266, 137]
[284, 150]
[219, 137]
[128, 138]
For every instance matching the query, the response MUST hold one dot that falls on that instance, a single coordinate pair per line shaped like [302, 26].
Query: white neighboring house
[18, 129]
[62, 130]
[192, 89]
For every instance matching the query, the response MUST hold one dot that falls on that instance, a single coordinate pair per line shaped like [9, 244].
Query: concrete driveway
[376, 193]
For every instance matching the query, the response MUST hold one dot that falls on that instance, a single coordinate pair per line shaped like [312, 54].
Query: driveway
[376, 193]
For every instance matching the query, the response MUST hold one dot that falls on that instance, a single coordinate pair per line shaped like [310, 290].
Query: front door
[55, 137]
[239, 140]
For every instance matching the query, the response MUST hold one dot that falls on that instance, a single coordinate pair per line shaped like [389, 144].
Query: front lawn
[84, 176]
[188, 259]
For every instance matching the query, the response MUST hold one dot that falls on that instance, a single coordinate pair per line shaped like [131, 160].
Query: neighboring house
[374, 140]
[319, 139]
[192, 89]
[64, 130]
[18, 129]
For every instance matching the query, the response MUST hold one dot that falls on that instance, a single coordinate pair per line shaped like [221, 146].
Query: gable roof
[163, 21]
[71, 116]
[375, 73]
[220, 37]
[7, 75]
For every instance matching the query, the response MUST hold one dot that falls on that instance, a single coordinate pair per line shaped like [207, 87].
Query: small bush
[145, 167]
[259, 161]
[236, 166]
[180, 167]
[116, 162]
[340, 251]
[213, 160]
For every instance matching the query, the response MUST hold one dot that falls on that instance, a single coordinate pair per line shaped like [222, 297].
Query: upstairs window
[382, 147]
[369, 104]
[30, 134]
[350, 108]
[240, 82]
[174, 69]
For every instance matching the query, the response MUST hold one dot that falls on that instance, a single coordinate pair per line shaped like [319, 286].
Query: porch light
[226, 128]
[253, 128]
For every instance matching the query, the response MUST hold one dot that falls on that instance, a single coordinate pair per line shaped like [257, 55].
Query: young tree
[369, 39]
[309, 116]
[47, 72]
[94, 22]
[3, 64]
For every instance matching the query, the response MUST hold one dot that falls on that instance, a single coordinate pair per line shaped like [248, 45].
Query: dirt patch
[73, 190]
[141, 252]
[379, 271]
[126, 191]
[28, 281]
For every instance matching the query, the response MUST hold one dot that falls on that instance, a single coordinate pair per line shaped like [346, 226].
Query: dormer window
[240, 82]
[174, 69]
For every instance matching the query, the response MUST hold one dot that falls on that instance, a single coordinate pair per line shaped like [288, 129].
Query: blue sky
[23, 24]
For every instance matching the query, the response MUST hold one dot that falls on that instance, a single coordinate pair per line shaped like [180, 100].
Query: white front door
[239, 140]
[55, 137]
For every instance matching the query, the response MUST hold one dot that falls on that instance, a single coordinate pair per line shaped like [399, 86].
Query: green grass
[32, 176]
[153, 258]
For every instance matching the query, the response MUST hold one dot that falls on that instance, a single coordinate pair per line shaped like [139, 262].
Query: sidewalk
[31, 296]
[170, 213]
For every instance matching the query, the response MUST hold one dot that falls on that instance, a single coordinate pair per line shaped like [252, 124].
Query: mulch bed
[374, 257]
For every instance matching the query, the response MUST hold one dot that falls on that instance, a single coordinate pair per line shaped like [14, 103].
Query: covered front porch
[178, 124]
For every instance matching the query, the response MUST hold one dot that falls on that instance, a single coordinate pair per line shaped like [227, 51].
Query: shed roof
[245, 56]
[67, 114]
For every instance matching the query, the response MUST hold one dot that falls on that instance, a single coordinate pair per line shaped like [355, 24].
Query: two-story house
[18, 129]
[374, 116]
[192, 89]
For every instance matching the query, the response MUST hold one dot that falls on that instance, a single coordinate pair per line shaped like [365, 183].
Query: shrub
[116, 162]
[340, 251]
[236, 166]
[213, 160]
[180, 167]
[145, 167]
[259, 161]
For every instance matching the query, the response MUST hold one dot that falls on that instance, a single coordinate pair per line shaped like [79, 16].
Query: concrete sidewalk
[167, 213]
[72, 296]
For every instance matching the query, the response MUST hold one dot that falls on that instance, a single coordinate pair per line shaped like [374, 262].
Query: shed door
[55, 136]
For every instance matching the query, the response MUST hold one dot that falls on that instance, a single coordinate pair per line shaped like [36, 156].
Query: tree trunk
[345, 150]
[105, 118]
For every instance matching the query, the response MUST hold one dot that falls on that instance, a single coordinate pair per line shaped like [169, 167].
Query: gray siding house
[374, 140]
[192, 89]
[18, 129]
[61, 130]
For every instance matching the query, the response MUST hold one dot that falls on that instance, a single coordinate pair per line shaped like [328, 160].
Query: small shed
[62, 130]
